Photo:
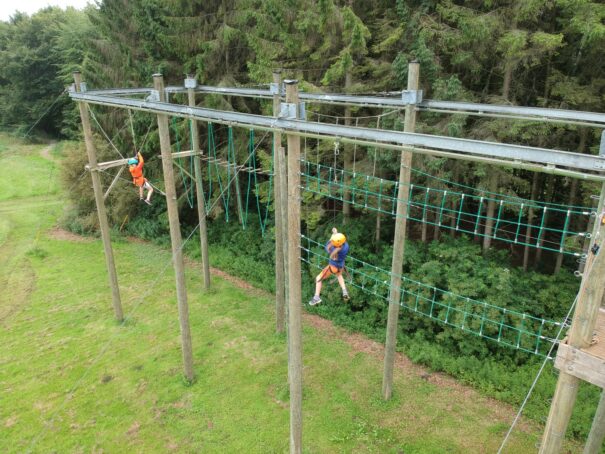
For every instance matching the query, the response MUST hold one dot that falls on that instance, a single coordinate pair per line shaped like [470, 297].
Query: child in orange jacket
[135, 166]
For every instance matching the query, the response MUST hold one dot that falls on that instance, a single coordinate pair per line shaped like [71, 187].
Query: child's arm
[334, 253]
[140, 157]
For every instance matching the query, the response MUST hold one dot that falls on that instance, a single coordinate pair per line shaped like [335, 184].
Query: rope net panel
[224, 172]
[509, 328]
[552, 226]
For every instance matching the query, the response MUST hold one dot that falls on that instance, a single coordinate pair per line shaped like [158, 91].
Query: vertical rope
[354, 149]
[134, 140]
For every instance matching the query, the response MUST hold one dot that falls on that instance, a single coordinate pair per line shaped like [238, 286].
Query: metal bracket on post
[302, 111]
[83, 87]
[276, 89]
[288, 111]
[154, 96]
[190, 82]
[411, 96]
[602, 147]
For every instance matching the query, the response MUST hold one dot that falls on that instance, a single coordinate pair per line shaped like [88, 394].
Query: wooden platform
[587, 363]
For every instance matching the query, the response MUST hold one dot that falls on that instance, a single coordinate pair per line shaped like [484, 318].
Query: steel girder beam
[381, 138]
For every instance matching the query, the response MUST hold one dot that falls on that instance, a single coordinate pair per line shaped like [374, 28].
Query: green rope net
[509, 328]
[551, 226]
[187, 182]
[225, 173]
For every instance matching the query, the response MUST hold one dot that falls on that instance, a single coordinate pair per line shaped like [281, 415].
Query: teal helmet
[133, 161]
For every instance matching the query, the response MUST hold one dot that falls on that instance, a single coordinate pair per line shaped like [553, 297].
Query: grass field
[73, 380]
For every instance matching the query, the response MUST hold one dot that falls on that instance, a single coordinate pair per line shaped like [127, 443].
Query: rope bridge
[513, 329]
[464, 211]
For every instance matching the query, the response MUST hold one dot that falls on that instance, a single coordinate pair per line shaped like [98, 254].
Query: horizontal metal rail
[378, 138]
[515, 112]
[466, 108]
[526, 113]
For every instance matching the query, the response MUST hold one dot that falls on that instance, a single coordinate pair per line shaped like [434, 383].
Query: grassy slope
[73, 380]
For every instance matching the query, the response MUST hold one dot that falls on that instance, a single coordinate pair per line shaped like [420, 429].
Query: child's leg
[149, 190]
[325, 273]
[318, 284]
[140, 192]
[341, 282]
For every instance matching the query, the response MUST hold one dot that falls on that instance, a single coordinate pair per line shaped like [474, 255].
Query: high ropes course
[571, 230]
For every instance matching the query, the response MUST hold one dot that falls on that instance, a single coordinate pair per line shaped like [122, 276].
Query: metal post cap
[291, 81]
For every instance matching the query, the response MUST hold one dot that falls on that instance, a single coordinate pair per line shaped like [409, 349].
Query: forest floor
[72, 379]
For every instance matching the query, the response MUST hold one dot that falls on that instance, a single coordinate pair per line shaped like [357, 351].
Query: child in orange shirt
[135, 166]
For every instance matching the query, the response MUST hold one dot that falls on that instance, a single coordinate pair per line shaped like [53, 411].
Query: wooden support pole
[594, 442]
[98, 191]
[283, 192]
[399, 241]
[294, 281]
[580, 336]
[113, 182]
[280, 273]
[348, 158]
[199, 192]
[175, 232]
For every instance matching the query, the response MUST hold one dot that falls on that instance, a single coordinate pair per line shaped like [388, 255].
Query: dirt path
[45, 152]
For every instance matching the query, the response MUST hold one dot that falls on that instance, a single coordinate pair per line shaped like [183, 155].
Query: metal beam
[396, 102]
[466, 108]
[525, 113]
[379, 138]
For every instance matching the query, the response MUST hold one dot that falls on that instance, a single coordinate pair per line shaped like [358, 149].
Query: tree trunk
[436, 230]
[453, 204]
[508, 76]
[573, 190]
[572, 197]
[424, 223]
[550, 188]
[530, 219]
[491, 208]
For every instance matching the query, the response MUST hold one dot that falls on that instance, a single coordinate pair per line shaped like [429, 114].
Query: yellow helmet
[338, 239]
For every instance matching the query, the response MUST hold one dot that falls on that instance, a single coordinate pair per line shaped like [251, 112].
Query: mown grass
[74, 380]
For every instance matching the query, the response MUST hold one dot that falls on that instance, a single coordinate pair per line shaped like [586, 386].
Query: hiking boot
[315, 301]
[147, 201]
[345, 296]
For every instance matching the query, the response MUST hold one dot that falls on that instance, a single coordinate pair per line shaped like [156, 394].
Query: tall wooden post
[283, 192]
[175, 231]
[597, 431]
[399, 241]
[280, 275]
[294, 281]
[580, 336]
[348, 158]
[199, 191]
[100, 201]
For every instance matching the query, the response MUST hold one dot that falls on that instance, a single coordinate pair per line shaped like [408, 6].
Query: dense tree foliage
[543, 53]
